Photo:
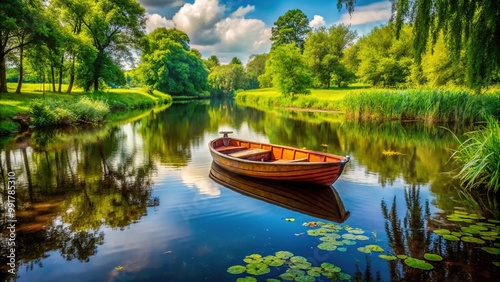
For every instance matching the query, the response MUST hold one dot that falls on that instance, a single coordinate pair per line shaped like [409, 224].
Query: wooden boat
[276, 162]
[316, 200]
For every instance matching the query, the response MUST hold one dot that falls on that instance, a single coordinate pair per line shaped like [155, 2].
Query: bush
[47, 112]
[7, 127]
[479, 156]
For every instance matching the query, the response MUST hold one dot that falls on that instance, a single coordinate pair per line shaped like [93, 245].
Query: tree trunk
[43, 84]
[53, 74]
[3, 74]
[96, 83]
[60, 74]
[21, 70]
[71, 76]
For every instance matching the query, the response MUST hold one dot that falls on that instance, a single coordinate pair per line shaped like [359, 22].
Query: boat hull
[319, 172]
[320, 201]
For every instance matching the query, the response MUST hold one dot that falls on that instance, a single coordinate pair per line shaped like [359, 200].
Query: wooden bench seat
[254, 154]
[230, 149]
[292, 161]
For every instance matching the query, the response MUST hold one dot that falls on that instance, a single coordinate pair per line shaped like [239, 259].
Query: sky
[241, 28]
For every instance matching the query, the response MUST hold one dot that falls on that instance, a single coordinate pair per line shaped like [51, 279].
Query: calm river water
[134, 202]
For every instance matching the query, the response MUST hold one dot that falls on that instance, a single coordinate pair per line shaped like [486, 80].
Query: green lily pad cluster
[298, 268]
[476, 230]
[331, 237]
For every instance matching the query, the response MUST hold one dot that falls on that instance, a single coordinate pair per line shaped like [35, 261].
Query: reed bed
[479, 156]
[429, 105]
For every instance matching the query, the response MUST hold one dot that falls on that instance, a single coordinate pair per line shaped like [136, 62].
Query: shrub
[88, 110]
[479, 156]
[7, 127]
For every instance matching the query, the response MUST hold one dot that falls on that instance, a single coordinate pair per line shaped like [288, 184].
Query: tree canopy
[292, 27]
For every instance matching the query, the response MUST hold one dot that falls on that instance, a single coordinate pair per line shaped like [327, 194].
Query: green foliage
[324, 50]
[226, 79]
[385, 60]
[211, 62]
[47, 112]
[292, 27]
[430, 105]
[288, 70]
[255, 67]
[169, 67]
[471, 28]
[479, 157]
[7, 127]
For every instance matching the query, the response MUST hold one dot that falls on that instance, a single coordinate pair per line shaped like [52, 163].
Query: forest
[102, 44]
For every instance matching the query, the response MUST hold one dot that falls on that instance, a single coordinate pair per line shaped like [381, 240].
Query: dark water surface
[134, 202]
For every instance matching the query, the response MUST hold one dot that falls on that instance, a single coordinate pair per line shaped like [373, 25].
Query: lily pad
[488, 233]
[344, 276]
[236, 269]
[470, 239]
[356, 231]
[365, 250]
[291, 219]
[496, 263]
[330, 267]
[246, 279]
[361, 237]
[418, 263]
[433, 257]
[491, 250]
[257, 268]
[349, 242]
[327, 246]
[402, 256]
[253, 258]
[451, 238]
[272, 261]
[341, 249]
[375, 248]
[301, 265]
[292, 274]
[442, 231]
[349, 236]
[494, 221]
[315, 271]
[316, 232]
[283, 254]
[272, 280]
[305, 279]
[456, 234]
[298, 259]
[387, 257]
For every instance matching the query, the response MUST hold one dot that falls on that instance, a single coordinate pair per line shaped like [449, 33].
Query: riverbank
[431, 105]
[17, 105]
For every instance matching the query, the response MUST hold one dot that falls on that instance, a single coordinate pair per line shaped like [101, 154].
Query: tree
[292, 27]
[225, 79]
[115, 28]
[324, 50]
[255, 67]
[471, 29]
[170, 66]
[212, 62]
[17, 32]
[288, 70]
[385, 60]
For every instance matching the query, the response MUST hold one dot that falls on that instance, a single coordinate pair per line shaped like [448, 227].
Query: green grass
[319, 99]
[12, 104]
[479, 156]
[430, 105]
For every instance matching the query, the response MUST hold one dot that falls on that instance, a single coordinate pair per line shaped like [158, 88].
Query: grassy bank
[384, 104]
[12, 104]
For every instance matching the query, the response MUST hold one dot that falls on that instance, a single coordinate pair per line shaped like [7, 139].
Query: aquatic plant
[479, 157]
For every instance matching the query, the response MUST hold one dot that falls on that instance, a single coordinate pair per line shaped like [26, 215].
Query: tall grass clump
[479, 156]
[429, 105]
[48, 112]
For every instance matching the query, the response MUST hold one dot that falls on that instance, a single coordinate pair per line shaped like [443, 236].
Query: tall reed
[479, 156]
[429, 105]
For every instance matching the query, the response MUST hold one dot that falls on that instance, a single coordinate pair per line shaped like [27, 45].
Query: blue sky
[241, 28]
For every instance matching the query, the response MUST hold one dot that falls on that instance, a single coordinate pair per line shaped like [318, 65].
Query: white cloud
[376, 12]
[242, 11]
[317, 21]
[198, 20]
[155, 21]
[239, 34]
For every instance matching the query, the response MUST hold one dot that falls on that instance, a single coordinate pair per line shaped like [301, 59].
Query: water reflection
[91, 195]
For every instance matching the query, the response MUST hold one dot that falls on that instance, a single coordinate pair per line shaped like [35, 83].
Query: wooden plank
[247, 153]
[291, 161]
[230, 149]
